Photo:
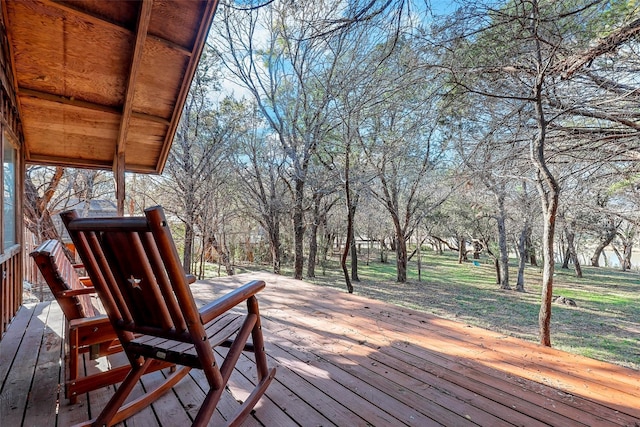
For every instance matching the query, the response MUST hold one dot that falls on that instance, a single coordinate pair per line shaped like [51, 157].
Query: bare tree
[37, 209]
[513, 58]
[287, 64]
[195, 156]
[526, 217]
[258, 163]
[49, 191]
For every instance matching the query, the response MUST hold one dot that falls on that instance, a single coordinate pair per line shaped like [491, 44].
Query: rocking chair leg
[258, 340]
[253, 398]
[208, 406]
[72, 364]
[123, 412]
[120, 395]
[151, 396]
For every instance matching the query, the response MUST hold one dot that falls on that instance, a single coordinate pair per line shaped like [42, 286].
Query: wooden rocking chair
[86, 330]
[135, 267]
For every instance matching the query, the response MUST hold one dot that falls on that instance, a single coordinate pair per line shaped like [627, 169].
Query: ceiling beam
[141, 35]
[104, 21]
[87, 105]
[74, 162]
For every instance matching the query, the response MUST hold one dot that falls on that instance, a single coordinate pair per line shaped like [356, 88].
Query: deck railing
[10, 285]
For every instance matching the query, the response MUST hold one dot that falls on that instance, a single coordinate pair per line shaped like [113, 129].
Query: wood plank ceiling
[101, 84]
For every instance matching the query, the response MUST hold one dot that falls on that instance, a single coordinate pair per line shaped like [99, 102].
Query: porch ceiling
[96, 80]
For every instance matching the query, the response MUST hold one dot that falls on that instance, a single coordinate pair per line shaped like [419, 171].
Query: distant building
[98, 208]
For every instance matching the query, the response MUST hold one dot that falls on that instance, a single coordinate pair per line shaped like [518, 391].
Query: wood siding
[11, 259]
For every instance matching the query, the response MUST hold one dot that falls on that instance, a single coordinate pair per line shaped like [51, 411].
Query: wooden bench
[87, 330]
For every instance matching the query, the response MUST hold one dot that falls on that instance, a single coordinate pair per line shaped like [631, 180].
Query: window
[9, 189]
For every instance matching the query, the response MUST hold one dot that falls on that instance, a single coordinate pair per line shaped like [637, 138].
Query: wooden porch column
[119, 159]
[118, 177]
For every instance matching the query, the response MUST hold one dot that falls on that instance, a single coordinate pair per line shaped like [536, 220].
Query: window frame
[9, 141]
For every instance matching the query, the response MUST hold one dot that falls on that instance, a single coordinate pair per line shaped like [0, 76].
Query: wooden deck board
[342, 360]
[46, 379]
[492, 387]
[20, 376]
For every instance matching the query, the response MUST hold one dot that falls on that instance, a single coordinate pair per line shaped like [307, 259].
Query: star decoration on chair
[134, 282]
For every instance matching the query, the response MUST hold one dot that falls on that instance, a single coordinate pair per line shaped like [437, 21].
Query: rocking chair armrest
[76, 292]
[230, 300]
[89, 322]
[93, 330]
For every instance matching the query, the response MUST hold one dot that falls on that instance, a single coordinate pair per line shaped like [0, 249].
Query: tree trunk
[566, 257]
[36, 210]
[298, 230]
[477, 249]
[549, 191]
[203, 257]
[549, 194]
[605, 240]
[628, 250]
[223, 253]
[274, 244]
[572, 254]
[354, 258]
[88, 191]
[462, 249]
[188, 247]
[345, 254]
[522, 258]
[531, 251]
[502, 245]
[327, 244]
[313, 251]
[401, 259]
[313, 238]
[400, 245]
[383, 255]
[350, 212]
[619, 256]
[544, 317]
[571, 251]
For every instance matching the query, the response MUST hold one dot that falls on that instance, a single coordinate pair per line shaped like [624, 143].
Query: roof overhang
[101, 80]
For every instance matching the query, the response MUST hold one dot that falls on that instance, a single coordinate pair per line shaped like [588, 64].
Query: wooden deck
[343, 360]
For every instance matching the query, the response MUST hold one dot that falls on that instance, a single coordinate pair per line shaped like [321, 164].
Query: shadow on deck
[342, 360]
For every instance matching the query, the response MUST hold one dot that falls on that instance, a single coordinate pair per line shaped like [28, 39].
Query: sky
[439, 7]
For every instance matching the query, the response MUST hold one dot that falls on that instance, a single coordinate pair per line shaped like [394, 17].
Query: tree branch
[607, 45]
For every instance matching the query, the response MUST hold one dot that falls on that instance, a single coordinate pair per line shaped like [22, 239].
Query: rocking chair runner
[87, 330]
[135, 267]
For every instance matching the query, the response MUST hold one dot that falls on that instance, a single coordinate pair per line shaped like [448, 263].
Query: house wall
[11, 183]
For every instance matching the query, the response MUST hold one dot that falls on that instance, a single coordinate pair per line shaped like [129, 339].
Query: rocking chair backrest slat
[61, 276]
[175, 272]
[135, 279]
[91, 265]
[159, 270]
[171, 260]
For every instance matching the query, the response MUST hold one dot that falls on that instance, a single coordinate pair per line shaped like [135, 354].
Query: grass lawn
[605, 325]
